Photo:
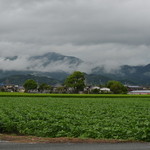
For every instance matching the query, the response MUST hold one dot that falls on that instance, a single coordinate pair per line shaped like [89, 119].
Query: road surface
[74, 146]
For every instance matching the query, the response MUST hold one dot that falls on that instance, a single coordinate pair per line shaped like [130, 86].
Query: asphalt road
[75, 146]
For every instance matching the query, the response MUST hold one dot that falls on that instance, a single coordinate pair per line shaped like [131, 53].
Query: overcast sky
[105, 32]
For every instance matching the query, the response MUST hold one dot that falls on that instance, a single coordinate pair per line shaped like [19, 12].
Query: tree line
[76, 82]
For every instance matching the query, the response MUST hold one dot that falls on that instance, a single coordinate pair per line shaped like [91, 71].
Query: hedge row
[14, 94]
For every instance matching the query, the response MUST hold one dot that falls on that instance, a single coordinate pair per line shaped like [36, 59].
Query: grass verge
[16, 94]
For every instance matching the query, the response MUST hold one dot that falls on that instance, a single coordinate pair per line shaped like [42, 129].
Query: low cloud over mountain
[105, 32]
[57, 66]
[48, 62]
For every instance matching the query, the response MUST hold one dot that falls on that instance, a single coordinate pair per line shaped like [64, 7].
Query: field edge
[34, 139]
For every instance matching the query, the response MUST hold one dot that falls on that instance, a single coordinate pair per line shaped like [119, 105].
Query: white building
[140, 92]
[105, 89]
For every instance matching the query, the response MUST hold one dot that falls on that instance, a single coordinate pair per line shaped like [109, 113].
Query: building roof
[95, 87]
[105, 89]
[140, 91]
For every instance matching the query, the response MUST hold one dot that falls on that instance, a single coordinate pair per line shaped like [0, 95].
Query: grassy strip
[15, 94]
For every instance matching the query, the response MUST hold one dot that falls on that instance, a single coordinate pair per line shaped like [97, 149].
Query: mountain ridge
[137, 75]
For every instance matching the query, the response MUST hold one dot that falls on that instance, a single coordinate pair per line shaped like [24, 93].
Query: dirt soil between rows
[33, 139]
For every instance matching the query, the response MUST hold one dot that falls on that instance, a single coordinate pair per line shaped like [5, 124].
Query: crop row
[15, 94]
[102, 118]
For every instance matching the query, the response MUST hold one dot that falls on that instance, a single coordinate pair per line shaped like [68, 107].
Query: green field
[100, 118]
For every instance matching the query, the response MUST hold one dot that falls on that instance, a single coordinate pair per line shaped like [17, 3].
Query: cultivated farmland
[99, 118]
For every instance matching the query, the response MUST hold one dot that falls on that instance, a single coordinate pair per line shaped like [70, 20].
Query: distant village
[139, 90]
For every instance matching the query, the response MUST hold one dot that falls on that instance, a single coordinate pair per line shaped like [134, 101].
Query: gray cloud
[106, 32]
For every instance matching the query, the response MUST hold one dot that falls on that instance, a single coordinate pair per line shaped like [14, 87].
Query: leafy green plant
[100, 118]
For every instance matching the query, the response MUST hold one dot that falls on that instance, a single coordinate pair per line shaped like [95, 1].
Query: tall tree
[76, 81]
[117, 87]
[30, 85]
[44, 86]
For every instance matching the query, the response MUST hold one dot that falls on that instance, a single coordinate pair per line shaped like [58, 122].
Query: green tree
[117, 87]
[30, 85]
[76, 81]
[43, 87]
[61, 89]
[95, 91]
